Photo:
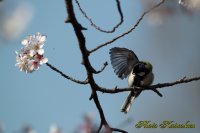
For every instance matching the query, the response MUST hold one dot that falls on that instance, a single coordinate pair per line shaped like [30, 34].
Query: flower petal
[24, 42]
[32, 53]
[43, 61]
[40, 51]
[43, 38]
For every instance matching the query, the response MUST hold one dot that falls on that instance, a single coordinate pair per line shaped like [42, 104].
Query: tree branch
[65, 76]
[89, 69]
[152, 87]
[97, 27]
[130, 30]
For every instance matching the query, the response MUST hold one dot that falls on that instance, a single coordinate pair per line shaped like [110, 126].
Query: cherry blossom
[31, 57]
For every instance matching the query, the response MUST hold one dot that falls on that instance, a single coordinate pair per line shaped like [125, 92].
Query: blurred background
[44, 101]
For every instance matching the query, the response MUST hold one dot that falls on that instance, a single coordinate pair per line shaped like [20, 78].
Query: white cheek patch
[141, 74]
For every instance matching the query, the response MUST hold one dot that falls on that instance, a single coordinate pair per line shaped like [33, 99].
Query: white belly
[131, 79]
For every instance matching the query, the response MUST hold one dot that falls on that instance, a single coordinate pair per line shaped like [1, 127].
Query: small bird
[139, 73]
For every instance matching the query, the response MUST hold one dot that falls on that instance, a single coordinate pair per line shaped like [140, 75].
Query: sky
[43, 97]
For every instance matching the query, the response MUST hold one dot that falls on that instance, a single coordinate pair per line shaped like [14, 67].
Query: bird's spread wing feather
[122, 60]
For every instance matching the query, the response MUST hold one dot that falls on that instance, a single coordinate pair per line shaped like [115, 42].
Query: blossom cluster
[30, 57]
[190, 4]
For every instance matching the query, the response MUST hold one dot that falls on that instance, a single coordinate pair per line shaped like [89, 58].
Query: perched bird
[139, 73]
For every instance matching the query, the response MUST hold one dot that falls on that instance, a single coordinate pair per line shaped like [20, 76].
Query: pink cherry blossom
[31, 57]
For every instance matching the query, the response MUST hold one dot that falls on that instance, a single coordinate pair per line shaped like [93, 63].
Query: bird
[126, 64]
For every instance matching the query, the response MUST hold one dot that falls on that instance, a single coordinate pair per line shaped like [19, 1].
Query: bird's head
[148, 65]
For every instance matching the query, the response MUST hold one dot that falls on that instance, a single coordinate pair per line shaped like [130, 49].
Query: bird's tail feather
[128, 101]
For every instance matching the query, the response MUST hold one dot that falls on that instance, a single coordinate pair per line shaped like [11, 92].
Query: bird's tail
[128, 101]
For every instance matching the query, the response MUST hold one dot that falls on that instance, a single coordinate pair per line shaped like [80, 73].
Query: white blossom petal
[40, 51]
[41, 45]
[30, 67]
[24, 42]
[43, 38]
[44, 60]
[31, 53]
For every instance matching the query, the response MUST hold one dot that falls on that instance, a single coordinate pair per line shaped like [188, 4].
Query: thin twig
[97, 27]
[66, 76]
[103, 67]
[157, 92]
[127, 32]
[152, 87]
[100, 126]
[118, 130]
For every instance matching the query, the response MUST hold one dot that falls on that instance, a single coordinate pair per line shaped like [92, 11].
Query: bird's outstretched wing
[123, 61]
